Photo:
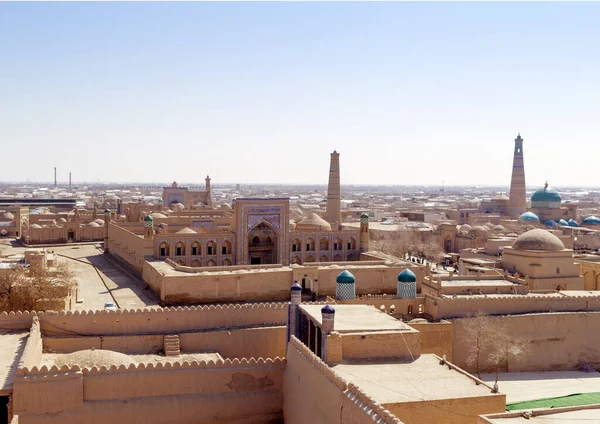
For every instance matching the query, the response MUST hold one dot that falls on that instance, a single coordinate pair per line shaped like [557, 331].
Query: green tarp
[557, 402]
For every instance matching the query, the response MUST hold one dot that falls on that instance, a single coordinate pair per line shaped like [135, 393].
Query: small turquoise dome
[528, 217]
[407, 276]
[545, 198]
[364, 215]
[296, 287]
[327, 309]
[345, 277]
[573, 223]
[550, 223]
[591, 220]
[148, 218]
[563, 223]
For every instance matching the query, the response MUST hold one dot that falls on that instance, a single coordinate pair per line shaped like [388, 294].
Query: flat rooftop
[12, 344]
[421, 379]
[477, 283]
[358, 318]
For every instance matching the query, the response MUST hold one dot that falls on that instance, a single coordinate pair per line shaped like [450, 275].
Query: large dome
[545, 198]
[540, 240]
[313, 222]
[528, 217]
[591, 220]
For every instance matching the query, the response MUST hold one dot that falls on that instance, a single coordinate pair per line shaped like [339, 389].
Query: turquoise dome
[148, 218]
[407, 276]
[545, 198]
[345, 277]
[529, 217]
[550, 223]
[591, 220]
[573, 223]
[563, 223]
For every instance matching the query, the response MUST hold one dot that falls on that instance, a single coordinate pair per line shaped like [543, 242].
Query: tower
[55, 177]
[207, 189]
[69, 180]
[364, 233]
[334, 200]
[517, 199]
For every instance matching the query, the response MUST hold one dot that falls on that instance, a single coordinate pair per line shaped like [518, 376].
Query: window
[211, 248]
[179, 249]
[195, 249]
[256, 240]
[163, 249]
[310, 245]
[337, 245]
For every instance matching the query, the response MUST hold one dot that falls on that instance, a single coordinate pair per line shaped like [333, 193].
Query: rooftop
[12, 344]
[358, 318]
[422, 379]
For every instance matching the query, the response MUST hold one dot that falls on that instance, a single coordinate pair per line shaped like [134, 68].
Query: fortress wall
[32, 354]
[17, 320]
[558, 341]
[154, 278]
[127, 246]
[436, 338]
[265, 342]
[314, 393]
[271, 285]
[462, 306]
[161, 320]
[246, 390]
[386, 302]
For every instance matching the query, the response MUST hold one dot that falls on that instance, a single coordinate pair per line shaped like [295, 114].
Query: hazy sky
[408, 93]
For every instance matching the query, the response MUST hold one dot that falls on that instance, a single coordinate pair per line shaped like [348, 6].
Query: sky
[408, 93]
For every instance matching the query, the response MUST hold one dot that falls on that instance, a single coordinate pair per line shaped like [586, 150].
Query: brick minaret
[518, 200]
[333, 214]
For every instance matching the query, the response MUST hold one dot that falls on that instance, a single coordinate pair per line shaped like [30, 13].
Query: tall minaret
[518, 200]
[207, 189]
[334, 200]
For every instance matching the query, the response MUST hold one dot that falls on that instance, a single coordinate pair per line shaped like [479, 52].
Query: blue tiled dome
[546, 195]
[591, 220]
[327, 309]
[407, 276]
[563, 222]
[550, 223]
[345, 277]
[296, 287]
[573, 223]
[148, 218]
[528, 216]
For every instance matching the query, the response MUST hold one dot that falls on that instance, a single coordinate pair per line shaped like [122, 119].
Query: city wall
[557, 341]
[126, 245]
[227, 391]
[314, 393]
[32, 354]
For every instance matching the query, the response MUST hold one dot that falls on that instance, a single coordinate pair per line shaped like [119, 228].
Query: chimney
[69, 180]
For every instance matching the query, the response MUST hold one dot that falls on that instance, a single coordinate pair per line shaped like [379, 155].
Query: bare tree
[477, 334]
[505, 345]
[24, 289]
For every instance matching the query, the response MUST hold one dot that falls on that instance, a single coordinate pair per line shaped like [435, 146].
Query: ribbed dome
[345, 277]
[407, 276]
[313, 222]
[573, 223]
[528, 216]
[148, 218]
[540, 240]
[591, 220]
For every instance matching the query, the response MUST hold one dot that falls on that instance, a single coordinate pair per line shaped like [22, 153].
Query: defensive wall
[246, 390]
[313, 392]
[557, 341]
[127, 246]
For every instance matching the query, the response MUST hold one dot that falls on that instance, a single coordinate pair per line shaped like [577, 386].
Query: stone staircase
[171, 345]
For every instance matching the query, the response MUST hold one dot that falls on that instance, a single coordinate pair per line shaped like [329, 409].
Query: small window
[557, 270]
[224, 250]
[210, 250]
[194, 250]
[255, 240]
[163, 251]
[349, 245]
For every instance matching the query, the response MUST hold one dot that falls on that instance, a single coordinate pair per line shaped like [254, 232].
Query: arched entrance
[263, 242]
[71, 236]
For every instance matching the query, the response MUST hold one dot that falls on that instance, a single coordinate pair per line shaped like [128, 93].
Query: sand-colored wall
[162, 320]
[16, 320]
[314, 393]
[464, 410]
[32, 354]
[518, 304]
[436, 337]
[378, 345]
[126, 245]
[248, 391]
[557, 341]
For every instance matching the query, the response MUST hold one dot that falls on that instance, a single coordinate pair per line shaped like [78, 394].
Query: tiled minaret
[333, 214]
[518, 200]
